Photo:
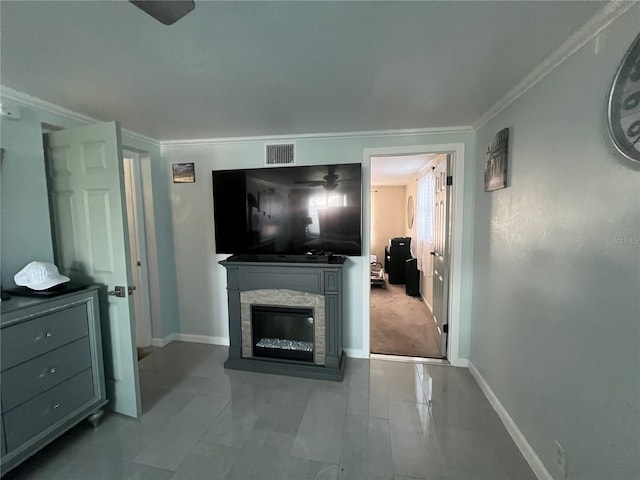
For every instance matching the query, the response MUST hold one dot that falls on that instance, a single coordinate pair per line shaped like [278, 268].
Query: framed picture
[495, 173]
[184, 173]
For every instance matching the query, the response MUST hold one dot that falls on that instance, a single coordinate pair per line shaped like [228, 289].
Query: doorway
[456, 322]
[138, 248]
[402, 245]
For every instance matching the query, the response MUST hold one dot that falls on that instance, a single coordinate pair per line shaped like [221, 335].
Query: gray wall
[202, 282]
[556, 282]
[25, 233]
[25, 230]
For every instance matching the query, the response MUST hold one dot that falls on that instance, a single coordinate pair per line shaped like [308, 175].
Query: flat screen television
[288, 210]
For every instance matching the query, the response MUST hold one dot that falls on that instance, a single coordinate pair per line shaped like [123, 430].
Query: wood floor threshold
[402, 358]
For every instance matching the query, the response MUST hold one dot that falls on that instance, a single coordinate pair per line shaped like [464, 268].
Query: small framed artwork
[495, 173]
[184, 173]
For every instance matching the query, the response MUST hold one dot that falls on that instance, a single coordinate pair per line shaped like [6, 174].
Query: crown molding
[317, 136]
[35, 102]
[605, 17]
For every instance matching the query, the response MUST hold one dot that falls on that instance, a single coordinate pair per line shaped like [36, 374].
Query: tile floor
[386, 420]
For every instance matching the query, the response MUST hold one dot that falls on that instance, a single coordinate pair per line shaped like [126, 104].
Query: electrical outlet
[561, 459]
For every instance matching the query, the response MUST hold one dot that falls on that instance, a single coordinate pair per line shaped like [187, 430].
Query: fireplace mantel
[320, 286]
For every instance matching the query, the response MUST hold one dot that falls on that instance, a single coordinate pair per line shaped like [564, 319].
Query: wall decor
[495, 173]
[184, 173]
[410, 212]
[624, 104]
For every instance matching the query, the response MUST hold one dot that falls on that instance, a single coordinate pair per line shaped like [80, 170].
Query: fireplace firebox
[282, 332]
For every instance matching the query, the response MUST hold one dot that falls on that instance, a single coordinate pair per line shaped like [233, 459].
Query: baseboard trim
[520, 440]
[162, 342]
[210, 340]
[426, 302]
[356, 353]
[405, 359]
[459, 362]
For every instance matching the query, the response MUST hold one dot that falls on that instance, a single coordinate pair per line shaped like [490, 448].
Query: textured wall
[388, 216]
[556, 281]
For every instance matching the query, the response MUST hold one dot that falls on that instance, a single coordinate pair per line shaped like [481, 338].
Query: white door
[85, 174]
[441, 248]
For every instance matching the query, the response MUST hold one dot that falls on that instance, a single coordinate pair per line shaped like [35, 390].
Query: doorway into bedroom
[407, 239]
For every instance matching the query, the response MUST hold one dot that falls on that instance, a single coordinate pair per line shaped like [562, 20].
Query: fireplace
[286, 318]
[284, 333]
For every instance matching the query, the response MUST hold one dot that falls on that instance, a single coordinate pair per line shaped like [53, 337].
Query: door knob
[118, 292]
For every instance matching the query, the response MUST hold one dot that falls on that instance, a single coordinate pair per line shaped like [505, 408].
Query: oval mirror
[410, 212]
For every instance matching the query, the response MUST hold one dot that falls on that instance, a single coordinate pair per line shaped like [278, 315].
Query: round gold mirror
[410, 212]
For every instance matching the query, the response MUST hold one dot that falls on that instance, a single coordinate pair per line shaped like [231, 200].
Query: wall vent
[279, 154]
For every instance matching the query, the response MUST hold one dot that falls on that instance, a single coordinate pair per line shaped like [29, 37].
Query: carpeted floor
[143, 352]
[402, 325]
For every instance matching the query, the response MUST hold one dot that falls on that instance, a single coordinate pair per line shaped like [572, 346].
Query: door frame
[457, 150]
[138, 238]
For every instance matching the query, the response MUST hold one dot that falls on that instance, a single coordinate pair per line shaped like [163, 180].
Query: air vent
[279, 154]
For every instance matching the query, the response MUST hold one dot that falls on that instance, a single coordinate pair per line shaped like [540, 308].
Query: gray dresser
[52, 374]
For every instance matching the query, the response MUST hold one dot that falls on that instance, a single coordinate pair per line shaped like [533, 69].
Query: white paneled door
[86, 189]
[441, 251]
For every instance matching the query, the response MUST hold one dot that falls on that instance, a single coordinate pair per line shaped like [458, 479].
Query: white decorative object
[39, 276]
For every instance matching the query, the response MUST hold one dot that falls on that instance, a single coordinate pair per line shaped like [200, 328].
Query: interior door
[440, 251]
[85, 178]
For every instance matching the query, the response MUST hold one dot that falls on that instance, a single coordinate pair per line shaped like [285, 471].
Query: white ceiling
[397, 170]
[232, 69]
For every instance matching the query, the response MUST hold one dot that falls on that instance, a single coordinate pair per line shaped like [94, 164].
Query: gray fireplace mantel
[284, 279]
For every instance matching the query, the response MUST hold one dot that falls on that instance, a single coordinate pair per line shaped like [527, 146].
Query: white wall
[202, 282]
[556, 315]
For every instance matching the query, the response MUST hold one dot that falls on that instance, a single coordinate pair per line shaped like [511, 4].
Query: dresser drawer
[39, 413]
[33, 377]
[34, 337]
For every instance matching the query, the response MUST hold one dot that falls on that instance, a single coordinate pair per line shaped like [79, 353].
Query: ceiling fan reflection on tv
[329, 182]
[165, 11]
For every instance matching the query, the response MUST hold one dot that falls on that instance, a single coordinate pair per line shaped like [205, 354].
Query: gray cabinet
[52, 370]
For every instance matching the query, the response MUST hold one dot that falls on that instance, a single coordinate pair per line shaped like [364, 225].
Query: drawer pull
[56, 405]
[48, 371]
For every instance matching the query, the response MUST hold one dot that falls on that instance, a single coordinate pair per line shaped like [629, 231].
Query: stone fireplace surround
[312, 285]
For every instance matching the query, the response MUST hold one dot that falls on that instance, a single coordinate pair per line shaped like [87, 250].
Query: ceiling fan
[329, 182]
[165, 11]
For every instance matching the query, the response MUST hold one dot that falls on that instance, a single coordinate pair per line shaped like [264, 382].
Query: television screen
[288, 210]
